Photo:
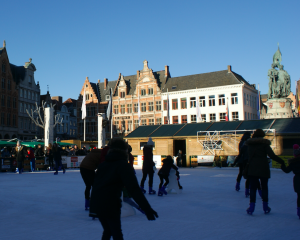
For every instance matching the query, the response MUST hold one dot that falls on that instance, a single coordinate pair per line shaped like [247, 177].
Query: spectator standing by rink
[49, 155]
[57, 158]
[148, 166]
[31, 158]
[87, 170]
[20, 155]
[258, 167]
[112, 175]
[39, 151]
[294, 165]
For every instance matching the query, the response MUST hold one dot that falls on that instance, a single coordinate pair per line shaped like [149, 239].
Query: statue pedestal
[279, 108]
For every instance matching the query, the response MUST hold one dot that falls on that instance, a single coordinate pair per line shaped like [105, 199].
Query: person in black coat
[148, 166]
[57, 158]
[164, 173]
[20, 153]
[39, 151]
[112, 175]
[294, 165]
[258, 167]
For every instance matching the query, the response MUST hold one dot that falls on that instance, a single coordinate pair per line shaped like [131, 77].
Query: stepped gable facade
[9, 98]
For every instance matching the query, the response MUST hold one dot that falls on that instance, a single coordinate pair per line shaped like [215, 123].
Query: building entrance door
[180, 145]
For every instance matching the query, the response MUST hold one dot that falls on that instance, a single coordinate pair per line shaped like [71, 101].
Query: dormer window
[143, 92]
[107, 97]
[150, 91]
[86, 85]
[87, 97]
[122, 94]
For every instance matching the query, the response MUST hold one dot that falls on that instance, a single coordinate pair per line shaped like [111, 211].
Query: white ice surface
[41, 206]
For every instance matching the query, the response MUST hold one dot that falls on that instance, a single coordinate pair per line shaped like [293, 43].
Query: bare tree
[36, 117]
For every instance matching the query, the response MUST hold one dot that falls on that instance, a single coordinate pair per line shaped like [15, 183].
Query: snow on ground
[41, 206]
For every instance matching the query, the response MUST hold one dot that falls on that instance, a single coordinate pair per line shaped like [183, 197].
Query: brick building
[9, 99]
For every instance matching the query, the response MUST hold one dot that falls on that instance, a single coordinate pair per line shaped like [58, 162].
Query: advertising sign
[74, 161]
[156, 160]
[205, 159]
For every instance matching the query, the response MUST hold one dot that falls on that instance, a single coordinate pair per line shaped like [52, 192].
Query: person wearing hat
[20, 155]
[148, 165]
[294, 165]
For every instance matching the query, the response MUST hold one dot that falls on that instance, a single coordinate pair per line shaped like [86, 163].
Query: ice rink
[41, 206]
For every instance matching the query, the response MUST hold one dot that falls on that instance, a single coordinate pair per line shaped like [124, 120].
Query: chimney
[105, 83]
[229, 68]
[167, 74]
[98, 81]
[137, 74]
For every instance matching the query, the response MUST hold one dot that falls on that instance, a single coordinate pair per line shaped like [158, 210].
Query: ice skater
[112, 175]
[20, 154]
[164, 173]
[258, 169]
[31, 158]
[57, 158]
[148, 166]
[87, 170]
[294, 165]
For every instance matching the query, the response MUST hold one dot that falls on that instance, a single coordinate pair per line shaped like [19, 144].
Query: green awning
[7, 144]
[31, 144]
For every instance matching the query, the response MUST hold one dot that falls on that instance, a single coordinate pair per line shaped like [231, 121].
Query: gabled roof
[204, 80]
[1, 50]
[18, 72]
[95, 89]
[102, 92]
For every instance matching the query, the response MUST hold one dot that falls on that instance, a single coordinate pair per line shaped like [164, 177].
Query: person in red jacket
[30, 153]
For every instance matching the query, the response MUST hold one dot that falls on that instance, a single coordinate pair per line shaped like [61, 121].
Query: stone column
[101, 131]
[48, 119]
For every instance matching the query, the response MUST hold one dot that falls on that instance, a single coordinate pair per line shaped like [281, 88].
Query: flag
[108, 111]
[198, 110]
[227, 112]
[139, 111]
[83, 107]
[258, 103]
[297, 98]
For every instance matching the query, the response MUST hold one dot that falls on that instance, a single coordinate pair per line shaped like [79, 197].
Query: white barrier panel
[205, 159]
[72, 161]
[156, 160]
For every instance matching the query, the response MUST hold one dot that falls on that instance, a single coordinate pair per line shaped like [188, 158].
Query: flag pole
[84, 129]
[258, 100]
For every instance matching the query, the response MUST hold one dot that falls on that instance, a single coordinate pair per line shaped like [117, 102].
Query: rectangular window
[174, 104]
[175, 119]
[158, 121]
[116, 109]
[212, 117]
[129, 108]
[3, 119]
[123, 109]
[29, 94]
[144, 122]
[192, 102]
[212, 100]
[143, 92]
[8, 101]
[151, 121]
[8, 84]
[193, 118]
[183, 103]
[136, 107]
[8, 119]
[150, 91]
[222, 117]
[21, 92]
[150, 106]
[203, 116]
[14, 103]
[165, 105]
[183, 118]
[221, 99]
[245, 116]
[122, 94]
[3, 83]
[165, 120]
[25, 93]
[158, 105]
[2, 100]
[202, 101]
[129, 125]
[143, 107]
[248, 116]
[136, 124]
[247, 100]
[234, 98]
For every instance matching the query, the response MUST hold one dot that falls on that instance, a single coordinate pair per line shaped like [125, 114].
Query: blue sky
[70, 40]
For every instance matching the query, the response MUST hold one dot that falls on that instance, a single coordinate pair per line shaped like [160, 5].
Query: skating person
[20, 155]
[294, 165]
[241, 160]
[57, 158]
[31, 158]
[179, 158]
[148, 165]
[112, 175]
[49, 155]
[39, 151]
[258, 169]
[164, 173]
[87, 170]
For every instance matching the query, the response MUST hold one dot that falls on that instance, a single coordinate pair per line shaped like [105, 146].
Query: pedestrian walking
[57, 158]
[20, 155]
